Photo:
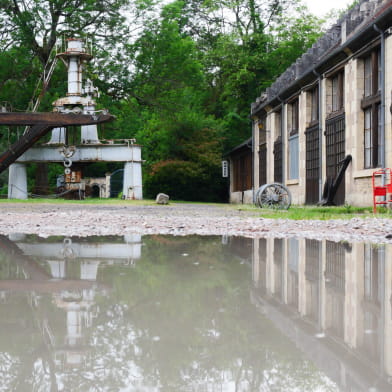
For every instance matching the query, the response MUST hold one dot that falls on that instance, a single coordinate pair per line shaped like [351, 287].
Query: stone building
[332, 103]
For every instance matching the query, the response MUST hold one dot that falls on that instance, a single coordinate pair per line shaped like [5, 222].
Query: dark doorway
[95, 191]
[116, 182]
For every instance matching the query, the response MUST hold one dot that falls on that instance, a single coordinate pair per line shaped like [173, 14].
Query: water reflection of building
[67, 270]
[334, 301]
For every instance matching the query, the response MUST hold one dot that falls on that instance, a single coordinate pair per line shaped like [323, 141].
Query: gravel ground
[180, 219]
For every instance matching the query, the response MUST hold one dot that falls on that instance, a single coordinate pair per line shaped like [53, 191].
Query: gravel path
[179, 219]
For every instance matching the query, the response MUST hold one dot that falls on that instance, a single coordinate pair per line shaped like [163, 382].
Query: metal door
[335, 148]
[312, 165]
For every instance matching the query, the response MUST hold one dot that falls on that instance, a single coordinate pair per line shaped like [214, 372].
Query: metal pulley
[67, 162]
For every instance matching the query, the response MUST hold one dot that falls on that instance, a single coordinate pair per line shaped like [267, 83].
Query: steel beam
[41, 123]
[84, 153]
[52, 118]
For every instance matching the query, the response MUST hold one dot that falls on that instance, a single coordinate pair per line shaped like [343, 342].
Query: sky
[321, 7]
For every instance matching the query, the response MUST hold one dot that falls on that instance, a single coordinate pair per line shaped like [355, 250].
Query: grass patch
[317, 212]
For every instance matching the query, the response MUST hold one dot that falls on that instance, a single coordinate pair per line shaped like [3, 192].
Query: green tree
[247, 55]
[38, 24]
[168, 92]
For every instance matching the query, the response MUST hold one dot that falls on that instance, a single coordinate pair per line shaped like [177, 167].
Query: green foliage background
[179, 76]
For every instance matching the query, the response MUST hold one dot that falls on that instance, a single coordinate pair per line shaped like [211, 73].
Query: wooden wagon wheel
[273, 195]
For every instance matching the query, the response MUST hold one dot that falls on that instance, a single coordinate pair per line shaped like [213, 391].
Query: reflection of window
[372, 110]
[337, 92]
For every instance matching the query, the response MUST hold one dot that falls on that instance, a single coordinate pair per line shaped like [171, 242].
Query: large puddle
[202, 314]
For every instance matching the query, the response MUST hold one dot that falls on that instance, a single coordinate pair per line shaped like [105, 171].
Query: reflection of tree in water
[180, 320]
[183, 322]
[26, 359]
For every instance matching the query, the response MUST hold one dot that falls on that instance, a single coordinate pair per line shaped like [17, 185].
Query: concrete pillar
[14, 237]
[387, 311]
[107, 185]
[132, 181]
[89, 269]
[17, 181]
[323, 316]
[75, 66]
[388, 101]
[270, 267]
[352, 302]
[74, 324]
[271, 120]
[58, 136]
[302, 287]
[283, 119]
[57, 268]
[133, 238]
[89, 133]
[256, 262]
[285, 269]
[256, 149]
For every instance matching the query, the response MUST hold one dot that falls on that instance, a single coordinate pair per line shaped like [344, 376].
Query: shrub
[185, 180]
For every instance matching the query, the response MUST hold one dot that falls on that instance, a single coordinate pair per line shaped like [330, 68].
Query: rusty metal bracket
[41, 124]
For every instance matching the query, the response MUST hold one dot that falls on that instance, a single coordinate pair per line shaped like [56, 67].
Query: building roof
[247, 144]
[359, 25]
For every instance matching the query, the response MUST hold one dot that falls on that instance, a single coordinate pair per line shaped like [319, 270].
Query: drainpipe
[283, 135]
[382, 115]
[253, 160]
[320, 115]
